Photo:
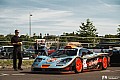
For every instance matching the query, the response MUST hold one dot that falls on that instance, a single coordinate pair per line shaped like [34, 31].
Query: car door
[83, 52]
[89, 61]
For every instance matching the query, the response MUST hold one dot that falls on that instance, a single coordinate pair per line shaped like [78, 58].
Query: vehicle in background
[115, 57]
[29, 54]
[51, 50]
[40, 47]
[32, 53]
[6, 52]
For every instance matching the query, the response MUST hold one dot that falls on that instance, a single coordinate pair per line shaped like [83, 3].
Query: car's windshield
[64, 53]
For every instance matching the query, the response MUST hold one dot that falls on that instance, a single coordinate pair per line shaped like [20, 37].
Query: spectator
[16, 42]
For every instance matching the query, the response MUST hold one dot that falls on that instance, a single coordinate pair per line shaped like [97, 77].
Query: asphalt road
[112, 73]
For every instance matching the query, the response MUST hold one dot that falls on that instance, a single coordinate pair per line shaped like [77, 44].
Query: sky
[58, 16]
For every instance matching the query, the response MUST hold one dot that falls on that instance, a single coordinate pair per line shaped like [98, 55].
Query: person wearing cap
[16, 42]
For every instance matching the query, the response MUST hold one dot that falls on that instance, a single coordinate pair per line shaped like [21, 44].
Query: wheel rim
[78, 65]
[105, 62]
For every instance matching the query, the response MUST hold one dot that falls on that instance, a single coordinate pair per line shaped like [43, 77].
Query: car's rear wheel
[104, 63]
[78, 65]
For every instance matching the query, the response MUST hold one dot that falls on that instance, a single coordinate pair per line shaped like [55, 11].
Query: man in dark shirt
[16, 42]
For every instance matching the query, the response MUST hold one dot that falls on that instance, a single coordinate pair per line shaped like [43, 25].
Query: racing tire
[104, 63]
[78, 65]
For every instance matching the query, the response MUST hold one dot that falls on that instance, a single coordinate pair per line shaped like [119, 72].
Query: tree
[118, 30]
[87, 30]
[40, 36]
[9, 36]
[34, 34]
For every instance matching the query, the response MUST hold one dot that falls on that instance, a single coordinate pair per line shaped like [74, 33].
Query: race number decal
[84, 64]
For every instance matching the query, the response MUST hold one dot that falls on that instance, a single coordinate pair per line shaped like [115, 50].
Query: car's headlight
[66, 60]
[38, 60]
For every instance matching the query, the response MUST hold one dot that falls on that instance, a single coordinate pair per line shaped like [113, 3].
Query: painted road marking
[110, 71]
[17, 74]
[3, 74]
[106, 71]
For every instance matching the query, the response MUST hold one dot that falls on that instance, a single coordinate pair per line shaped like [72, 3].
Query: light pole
[30, 24]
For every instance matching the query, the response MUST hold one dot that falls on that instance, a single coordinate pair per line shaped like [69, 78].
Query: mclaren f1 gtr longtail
[71, 58]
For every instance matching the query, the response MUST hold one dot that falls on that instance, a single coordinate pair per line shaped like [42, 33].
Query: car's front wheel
[78, 65]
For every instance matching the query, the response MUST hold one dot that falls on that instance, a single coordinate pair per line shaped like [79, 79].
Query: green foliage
[110, 36]
[87, 30]
[2, 38]
[8, 37]
[118, 30]
[8, 63]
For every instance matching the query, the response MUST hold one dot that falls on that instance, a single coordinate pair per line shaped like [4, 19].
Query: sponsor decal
[51, 60]
[84, 63]
[92, 62]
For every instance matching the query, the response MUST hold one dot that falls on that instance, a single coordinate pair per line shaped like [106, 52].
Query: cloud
[106, 25]
[22, 16]
[110, 2]
[44, 13]
[58, 16]
[19, 18]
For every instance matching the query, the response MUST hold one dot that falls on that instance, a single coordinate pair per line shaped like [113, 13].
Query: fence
[97, 41]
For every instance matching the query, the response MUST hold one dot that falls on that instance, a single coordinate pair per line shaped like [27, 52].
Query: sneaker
[15, 70]
[20, 68]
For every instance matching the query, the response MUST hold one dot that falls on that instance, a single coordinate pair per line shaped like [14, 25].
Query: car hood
[53, 62]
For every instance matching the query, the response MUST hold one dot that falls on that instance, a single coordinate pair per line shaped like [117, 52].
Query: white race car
[71, 58]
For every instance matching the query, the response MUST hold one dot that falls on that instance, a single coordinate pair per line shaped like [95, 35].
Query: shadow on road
[49, 72]
[58, 72]
[115, 65]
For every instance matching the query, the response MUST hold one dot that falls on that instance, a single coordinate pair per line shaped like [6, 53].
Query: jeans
[17, 55]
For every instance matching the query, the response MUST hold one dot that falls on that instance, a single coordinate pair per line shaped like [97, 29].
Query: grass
[8, 63]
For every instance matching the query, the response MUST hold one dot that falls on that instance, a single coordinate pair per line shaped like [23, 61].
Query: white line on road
[2, 74]
[110, 71]
[17, 74]
[106, 71]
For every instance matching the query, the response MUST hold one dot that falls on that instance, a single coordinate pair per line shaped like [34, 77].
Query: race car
[71, 58]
